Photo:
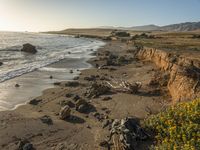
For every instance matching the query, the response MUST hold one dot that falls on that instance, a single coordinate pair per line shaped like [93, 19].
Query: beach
[86, 130]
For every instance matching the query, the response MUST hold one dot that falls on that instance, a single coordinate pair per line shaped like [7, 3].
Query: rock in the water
[1, 63]
[35, 101]
[29, 48]
[65, 112]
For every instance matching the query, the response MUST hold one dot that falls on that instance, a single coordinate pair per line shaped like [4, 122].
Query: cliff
[184, 81]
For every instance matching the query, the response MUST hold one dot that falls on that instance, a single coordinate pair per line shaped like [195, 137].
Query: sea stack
[29, 48]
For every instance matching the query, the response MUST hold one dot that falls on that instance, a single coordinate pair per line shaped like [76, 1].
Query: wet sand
[85, 131]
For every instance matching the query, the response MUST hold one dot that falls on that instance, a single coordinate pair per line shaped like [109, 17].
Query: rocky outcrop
[184, 81]
[29, 48]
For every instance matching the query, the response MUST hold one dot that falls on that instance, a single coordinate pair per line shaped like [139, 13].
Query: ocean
[56, 56]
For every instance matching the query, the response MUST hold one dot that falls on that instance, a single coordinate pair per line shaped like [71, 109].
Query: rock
[69, 95]
[65, 112]
[129, 132]
[17, 85]
[50, 77]
[90, 78]
[105, 123]
[76, 97]
[46, 119]
[28, 146]
[70, 104]
[1, 63]
[72, 84]
[134, 88]
[107, 98]
[104, 144]
[83, 108]
[35, 101]
[97, 89]
[29, 48]
[57, 83]
[24, 144]
[76, 78]
[71, 71]
[88, 127]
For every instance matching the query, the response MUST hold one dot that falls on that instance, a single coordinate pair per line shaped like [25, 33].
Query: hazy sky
[43, 15]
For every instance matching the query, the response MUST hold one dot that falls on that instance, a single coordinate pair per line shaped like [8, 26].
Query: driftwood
[124, 86]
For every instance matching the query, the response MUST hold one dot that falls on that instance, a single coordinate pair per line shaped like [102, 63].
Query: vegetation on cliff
[178, 127]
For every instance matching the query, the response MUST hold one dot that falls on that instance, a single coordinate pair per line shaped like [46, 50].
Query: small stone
[88, 127]
[104, 144]
[105, 123]
[17, 85]
[69, 95]
[107, 98]
[71, 71]
[47, 120]
[50, 77]
[76, 97]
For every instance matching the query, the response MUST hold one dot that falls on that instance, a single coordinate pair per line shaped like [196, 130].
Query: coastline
[31, 84]
[27, 118]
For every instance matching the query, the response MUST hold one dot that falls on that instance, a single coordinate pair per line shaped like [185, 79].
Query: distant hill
[145, 28]
[187, 26]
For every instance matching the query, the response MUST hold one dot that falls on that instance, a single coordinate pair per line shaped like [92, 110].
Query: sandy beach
[84, 130]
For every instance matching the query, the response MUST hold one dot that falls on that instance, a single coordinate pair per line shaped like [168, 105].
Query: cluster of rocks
[24, 144]
[129, 132]
[97, 89]
[114, 60]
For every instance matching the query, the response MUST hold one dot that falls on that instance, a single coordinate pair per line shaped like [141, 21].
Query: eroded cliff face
[184, 82]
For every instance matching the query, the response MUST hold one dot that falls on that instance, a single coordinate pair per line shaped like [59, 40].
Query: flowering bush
[178, 127]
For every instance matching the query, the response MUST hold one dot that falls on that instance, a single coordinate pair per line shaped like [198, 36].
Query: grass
[178, 127]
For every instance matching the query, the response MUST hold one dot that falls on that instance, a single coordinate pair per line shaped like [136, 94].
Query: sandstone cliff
[184, 82]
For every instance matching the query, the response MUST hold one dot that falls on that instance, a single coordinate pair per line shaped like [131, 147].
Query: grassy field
[176, 42]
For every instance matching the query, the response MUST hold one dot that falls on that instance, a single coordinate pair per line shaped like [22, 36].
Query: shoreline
[9, 90]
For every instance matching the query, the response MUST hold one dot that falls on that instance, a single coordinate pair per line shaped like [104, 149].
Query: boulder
[29, 48]
[65, 112]
[97, 89]
[129, 132]
[1, 63]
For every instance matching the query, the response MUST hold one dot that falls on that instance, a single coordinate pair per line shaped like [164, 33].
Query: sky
[48, 15]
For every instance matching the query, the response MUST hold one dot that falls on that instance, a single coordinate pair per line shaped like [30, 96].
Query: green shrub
[178, 127]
